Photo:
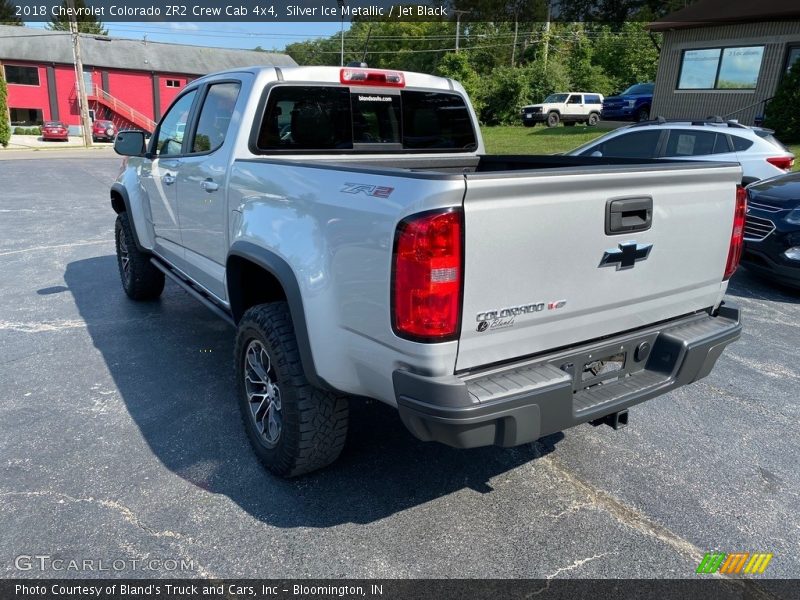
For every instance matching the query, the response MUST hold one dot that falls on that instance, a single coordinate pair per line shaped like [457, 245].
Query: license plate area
[603, 365]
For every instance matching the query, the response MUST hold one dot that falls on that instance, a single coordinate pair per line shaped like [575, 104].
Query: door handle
[168, 179]
[209, 186]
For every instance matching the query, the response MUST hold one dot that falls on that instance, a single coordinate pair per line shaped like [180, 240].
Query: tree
[782, 112]
[8, 14]
[86, 22]
[5, 124]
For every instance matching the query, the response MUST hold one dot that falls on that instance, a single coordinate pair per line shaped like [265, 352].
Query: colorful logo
[738, 562]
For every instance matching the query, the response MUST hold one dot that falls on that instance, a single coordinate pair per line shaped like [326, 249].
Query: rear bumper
[519, 403]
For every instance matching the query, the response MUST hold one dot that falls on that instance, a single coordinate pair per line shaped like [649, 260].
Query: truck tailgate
[535, 241]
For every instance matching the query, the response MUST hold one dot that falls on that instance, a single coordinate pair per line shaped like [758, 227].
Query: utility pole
[83, 103]
[458, 25]
[547, 34]
[341, 4]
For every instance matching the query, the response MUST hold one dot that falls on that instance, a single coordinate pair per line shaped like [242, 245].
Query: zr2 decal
[378, 191]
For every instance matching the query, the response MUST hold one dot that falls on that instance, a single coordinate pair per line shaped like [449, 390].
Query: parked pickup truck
[350, 226]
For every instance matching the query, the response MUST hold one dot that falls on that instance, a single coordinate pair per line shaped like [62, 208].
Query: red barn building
[130, 82]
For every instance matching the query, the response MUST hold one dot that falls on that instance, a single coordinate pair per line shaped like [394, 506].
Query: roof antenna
[366, 44]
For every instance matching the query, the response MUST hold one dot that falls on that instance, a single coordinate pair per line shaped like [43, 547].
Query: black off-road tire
[594, 119]
[553, 119]
[313, 421]
[141, 280]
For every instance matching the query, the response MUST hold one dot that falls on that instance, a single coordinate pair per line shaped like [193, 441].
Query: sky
[245, 35]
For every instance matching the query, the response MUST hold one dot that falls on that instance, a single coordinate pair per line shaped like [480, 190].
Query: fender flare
[118, 188]
[280, 269]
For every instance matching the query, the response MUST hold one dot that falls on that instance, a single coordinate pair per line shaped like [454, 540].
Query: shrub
[783, 111]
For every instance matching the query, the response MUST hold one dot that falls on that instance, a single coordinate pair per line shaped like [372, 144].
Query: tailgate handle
[625, 215]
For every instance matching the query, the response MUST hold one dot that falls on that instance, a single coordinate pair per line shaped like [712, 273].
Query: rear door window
[327, 118]
[685, 142]
[592, 99]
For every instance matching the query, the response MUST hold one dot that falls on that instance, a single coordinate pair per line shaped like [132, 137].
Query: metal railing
[93, 92]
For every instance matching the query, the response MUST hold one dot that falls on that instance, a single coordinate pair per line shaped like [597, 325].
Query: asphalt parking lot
[120, 439]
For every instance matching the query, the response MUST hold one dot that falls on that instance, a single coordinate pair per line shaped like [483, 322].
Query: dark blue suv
[632, 104]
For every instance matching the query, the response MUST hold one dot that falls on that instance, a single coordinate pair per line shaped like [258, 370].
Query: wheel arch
[255, 275]
[121, 203]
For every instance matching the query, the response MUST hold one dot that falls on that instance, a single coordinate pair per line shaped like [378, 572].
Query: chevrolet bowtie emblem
[627, 256]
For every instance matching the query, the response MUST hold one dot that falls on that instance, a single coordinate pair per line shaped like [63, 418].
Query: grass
[543, 140]
[537, 140]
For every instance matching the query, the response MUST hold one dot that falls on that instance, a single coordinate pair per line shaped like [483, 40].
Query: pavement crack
[578, 563]
[127, 515]
[35, 248]
[638, 521]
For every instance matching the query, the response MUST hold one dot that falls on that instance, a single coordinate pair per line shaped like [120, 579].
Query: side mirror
[130, 143]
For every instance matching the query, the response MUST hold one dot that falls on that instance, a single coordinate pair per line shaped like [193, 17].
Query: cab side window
[215, 117]
[173, 126]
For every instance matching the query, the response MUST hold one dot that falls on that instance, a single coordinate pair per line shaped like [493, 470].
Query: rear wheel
[553, 119]
[141, 280]
[293, 427]
[594, 119]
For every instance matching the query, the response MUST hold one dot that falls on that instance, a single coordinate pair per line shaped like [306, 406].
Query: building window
[26, 117]
[792, 57]
[720, 68]
[22, 75]
[173, 83]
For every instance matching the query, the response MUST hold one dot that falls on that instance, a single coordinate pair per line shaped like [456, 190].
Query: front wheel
[553, 119]
[141, 280]
[293, 427]
[594, 119]
[643, 114]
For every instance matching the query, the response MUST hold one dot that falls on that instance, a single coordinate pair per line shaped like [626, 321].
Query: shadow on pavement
[746, 284]
[171, 361]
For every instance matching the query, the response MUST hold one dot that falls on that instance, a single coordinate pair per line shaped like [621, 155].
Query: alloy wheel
[263, 393]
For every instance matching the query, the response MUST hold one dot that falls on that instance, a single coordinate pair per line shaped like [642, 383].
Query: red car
[55, 130]
[103, 130]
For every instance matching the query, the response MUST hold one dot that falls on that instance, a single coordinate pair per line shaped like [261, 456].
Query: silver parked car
[757, 150]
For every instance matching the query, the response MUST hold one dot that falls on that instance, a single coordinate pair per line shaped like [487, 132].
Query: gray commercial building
[725, 58]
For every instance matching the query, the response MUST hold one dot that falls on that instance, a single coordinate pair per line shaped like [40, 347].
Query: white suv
[756, 149]
[569, 108]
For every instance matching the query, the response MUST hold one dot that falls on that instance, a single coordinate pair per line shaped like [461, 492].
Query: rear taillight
[427, 275]
[782, 162]
[372, 77]
[737, 236]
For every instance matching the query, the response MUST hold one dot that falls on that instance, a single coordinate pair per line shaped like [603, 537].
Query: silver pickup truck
[350, 226]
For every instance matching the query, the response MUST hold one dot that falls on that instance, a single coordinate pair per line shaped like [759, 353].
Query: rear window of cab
[300, 118]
